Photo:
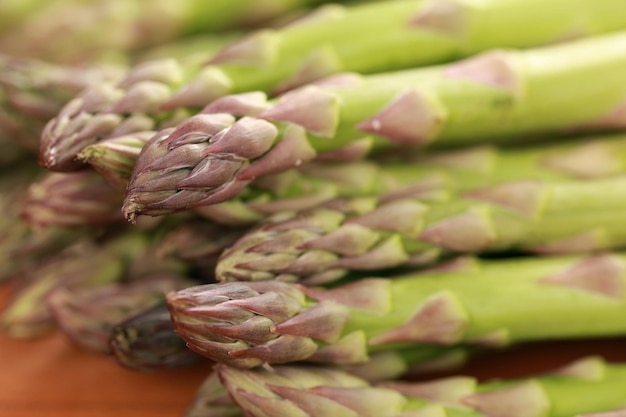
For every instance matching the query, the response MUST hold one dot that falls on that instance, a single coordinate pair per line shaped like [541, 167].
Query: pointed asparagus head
[147, 341]
[80, 123]
[318, 245]
[210, 158]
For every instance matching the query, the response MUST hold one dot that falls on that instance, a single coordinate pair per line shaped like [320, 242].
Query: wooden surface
[49, 377]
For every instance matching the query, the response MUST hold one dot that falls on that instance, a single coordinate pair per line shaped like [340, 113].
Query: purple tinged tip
[525, 197]
[446, 17]
[370, 294]
[440, 319]
[200, 128]
[414, 117]
[245, 104]
[291, 151]
[247, 138]
[494, 68]
[313, 108]
[599, 274]
[324, 321]
[467, 232]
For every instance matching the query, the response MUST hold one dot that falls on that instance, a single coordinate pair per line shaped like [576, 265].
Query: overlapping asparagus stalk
[328, 242]
[77, 26]
[587, 386]
[502, 94]
[408, 33]
[316, 182]
[494, 302]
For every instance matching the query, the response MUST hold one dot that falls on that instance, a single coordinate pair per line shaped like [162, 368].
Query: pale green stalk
[330, 241]
[487, 302]
[369, 38]
[501, 95]
[589, 385]
[444, 171]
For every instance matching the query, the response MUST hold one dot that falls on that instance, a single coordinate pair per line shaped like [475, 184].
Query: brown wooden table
[50, 377]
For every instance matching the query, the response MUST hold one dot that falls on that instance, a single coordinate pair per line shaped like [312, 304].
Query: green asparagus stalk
[451, 171]
[212, 397]
[73, 199]
[328, 242]
[147, 341]
[87, 315]
[77, 27]
[85, 264]
[486, 98]
[408, 33]
[495, 302]
[298, 391]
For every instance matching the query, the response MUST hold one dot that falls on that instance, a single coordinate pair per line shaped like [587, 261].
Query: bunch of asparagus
[321, 209]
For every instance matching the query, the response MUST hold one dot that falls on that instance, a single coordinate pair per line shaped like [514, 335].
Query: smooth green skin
[574, 396]
[560, 87]
[503, 295]
[560, 210]
[378, 36]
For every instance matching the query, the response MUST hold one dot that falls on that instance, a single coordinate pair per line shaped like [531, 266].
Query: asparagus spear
[326, 243]
[147, 341]
[298, 391]
[490, 97]
[408, 33]
[316, 182]
[130, 25]
[87, 315]
[496, 302]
